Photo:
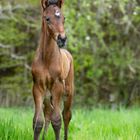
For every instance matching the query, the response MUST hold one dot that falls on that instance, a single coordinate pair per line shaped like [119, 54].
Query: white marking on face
[57, 13]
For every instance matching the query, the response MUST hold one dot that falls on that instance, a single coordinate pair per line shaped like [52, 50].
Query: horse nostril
[65, 38]
[62, 38]
[59, 37]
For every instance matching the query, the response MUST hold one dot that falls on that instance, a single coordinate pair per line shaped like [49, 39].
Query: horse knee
[56, 122]
[37, 125]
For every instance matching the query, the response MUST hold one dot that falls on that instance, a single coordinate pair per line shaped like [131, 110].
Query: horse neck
[48, 46]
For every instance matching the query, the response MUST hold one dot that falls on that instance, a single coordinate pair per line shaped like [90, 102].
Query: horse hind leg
[67, 114]
[68, 97]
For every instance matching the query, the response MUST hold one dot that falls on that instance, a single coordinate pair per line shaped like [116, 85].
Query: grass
[16, 124]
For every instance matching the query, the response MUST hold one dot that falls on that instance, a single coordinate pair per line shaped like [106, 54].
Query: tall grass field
[98, 124]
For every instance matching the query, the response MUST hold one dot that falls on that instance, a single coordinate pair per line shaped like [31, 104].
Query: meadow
[96, 124]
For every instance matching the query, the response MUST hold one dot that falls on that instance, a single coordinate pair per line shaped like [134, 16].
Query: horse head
[54, 19]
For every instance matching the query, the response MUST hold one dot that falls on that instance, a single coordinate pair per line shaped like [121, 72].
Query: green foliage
[105, 41]
[85, 125]
[103, 37]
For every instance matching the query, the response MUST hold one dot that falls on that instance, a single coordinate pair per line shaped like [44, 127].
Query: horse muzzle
[61, 41]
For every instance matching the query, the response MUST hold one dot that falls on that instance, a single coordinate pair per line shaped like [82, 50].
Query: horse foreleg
[56, 117]
[56, 123]
[47, 114]
[38, 116]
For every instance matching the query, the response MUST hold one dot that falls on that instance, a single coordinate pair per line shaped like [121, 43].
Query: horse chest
[52, 75]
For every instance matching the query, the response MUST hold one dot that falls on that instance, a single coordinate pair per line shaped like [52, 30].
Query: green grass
[16, 124]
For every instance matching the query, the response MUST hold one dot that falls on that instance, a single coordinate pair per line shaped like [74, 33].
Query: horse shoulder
[66, 63]
[37, 71]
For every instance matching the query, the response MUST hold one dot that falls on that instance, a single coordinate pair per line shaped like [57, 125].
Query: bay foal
[52, 71]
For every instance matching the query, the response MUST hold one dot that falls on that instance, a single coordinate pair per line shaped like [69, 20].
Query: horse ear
[60, 3]
[44, 4]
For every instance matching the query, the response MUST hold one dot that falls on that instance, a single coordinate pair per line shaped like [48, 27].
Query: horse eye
[48, 19]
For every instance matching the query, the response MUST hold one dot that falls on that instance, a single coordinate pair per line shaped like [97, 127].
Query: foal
[53, 73]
